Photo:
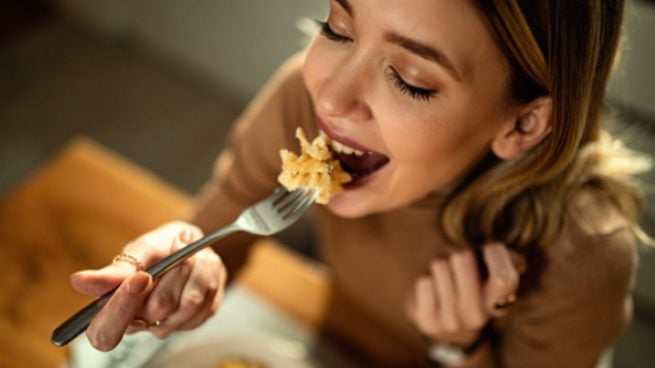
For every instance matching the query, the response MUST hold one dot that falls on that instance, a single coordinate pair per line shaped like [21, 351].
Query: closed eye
[417, 93]
[330, 34]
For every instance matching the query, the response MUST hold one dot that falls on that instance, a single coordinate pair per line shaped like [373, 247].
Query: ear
[526, 127]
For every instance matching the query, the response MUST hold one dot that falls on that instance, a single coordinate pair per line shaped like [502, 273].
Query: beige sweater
[576, 300]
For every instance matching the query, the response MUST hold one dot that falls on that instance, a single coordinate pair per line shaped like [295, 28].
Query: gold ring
[124, 257]
[505, 302]
[142, 323]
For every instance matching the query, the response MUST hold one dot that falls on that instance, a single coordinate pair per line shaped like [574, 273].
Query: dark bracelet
[449, 355]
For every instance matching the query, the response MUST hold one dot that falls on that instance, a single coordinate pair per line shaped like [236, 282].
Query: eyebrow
[418, 48]
[345, 4]
[425, 51]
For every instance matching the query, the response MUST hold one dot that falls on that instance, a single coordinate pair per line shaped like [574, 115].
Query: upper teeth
[338, 147]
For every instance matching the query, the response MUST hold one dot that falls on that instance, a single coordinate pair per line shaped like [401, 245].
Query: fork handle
[79, 321]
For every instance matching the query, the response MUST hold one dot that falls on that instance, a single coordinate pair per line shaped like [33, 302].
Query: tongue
[361, 165]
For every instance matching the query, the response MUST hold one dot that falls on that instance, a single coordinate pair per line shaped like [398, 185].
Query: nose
[342, 94]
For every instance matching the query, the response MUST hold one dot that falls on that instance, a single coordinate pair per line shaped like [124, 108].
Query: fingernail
[82, 273]
[185, 236]
[139, 283]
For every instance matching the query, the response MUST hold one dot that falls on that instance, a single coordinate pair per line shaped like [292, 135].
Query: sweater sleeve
[246, 171]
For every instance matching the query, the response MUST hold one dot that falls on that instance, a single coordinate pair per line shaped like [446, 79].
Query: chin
[356, 204]
[344, 205]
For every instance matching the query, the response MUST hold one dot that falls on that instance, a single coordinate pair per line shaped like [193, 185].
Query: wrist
[463, 340]
[451, 354]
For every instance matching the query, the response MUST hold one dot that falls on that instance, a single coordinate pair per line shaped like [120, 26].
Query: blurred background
[160, 82]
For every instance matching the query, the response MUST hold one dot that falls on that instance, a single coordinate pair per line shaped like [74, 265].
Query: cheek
[456, 128]
[441, 149]
[418, 140]
[316, 68]
[308, 75]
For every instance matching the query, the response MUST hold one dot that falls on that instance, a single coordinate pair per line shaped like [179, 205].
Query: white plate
[271, 353]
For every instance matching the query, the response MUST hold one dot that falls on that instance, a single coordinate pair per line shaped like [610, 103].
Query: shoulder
[593, 214]
[581, 301]
[595, 224]
[288, 77]
[596, 248]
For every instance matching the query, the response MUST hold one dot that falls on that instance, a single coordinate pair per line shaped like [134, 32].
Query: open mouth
[360, 164]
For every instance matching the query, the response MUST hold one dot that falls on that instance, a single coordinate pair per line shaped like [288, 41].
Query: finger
[213, 300]
[445, 290]
[207, 310]
[469, 290]
[145, 250]
[164, 299]
[410, 304]
[503, 279]
[192, 234]
[426, 307]
[165, 296]
[107, 328]
[200, 283]
[155, 245]
[98, 282]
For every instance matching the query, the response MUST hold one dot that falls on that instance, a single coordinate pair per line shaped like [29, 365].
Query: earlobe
[524, 130]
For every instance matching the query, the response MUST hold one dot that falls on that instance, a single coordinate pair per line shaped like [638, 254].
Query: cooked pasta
[240, 363]
[313, 169]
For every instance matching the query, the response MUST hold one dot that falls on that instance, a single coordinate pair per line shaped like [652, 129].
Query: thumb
[97, 282]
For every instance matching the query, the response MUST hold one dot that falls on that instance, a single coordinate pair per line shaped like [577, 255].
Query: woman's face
[418, 86]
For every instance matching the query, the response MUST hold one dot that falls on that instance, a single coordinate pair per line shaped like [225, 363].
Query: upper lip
[336, 136]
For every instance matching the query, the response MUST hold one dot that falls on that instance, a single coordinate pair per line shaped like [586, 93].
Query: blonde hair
[563, 49]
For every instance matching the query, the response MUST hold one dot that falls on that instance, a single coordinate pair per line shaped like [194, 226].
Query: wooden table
[86, 203]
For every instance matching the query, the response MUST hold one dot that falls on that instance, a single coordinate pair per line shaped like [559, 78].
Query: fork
[267, 217]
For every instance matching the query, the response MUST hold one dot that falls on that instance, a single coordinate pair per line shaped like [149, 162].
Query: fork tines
[287, 203]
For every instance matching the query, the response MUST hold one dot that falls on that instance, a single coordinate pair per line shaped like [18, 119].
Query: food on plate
[240, 363]
[313, 169]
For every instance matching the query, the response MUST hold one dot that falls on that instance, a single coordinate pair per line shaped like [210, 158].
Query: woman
[487, 217]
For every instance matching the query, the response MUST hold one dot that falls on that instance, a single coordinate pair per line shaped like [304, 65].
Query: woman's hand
[453, 304]
[182, 299]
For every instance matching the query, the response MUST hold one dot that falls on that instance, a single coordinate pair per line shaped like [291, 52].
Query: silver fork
[269, 216]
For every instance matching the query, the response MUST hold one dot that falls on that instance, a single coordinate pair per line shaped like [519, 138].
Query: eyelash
[414, 92]
[329, 33]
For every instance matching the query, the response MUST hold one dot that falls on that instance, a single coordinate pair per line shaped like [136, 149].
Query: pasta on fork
[314, 168]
